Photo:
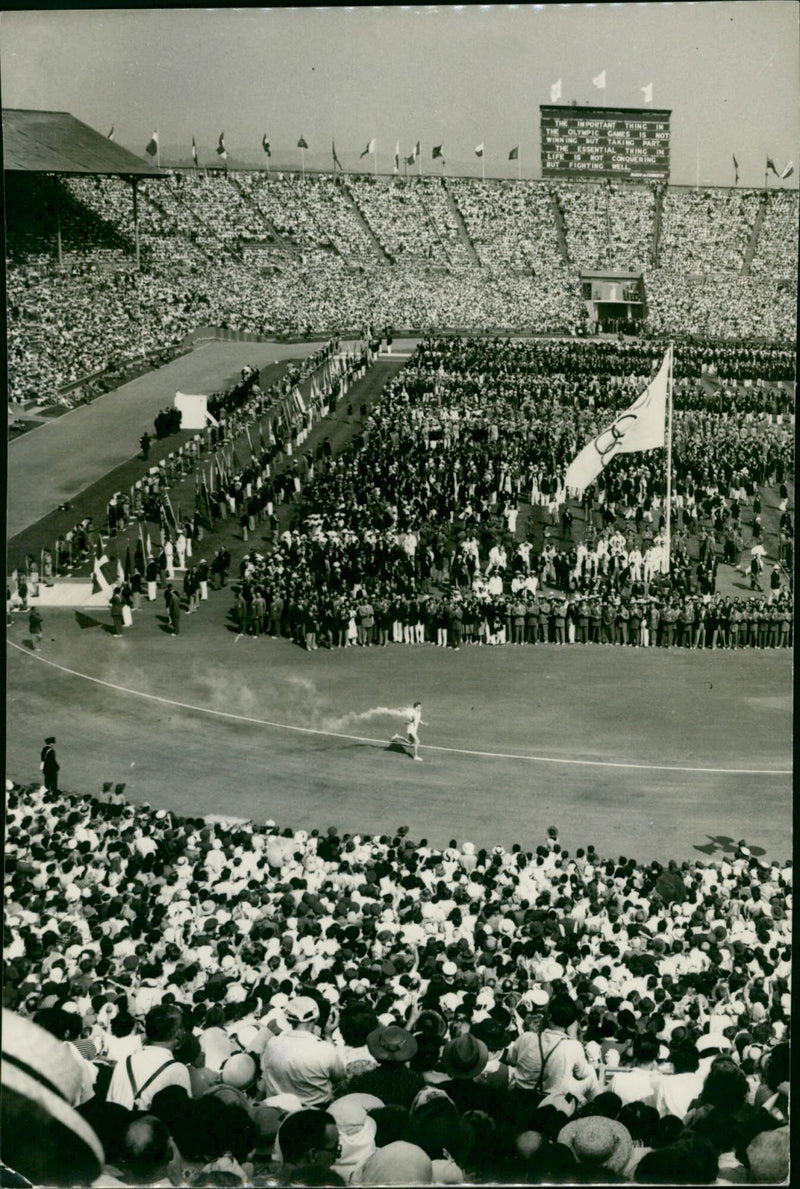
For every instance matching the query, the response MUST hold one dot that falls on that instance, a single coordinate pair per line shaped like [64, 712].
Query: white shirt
[298, 1062]
[143, 1066]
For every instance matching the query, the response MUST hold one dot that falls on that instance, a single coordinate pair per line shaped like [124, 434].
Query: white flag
[555, 92]
[788, 171]
[600, 81]
[641, 427]
[648, 93]
[479, 149]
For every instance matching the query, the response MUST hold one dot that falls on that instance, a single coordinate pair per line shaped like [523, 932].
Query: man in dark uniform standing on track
[49, 765]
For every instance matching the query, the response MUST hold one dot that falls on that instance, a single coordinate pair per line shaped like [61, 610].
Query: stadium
[399, 642]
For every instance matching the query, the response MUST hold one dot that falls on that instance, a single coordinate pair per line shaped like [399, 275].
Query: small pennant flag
[600, 81]
[555, 92]
[479, 149]
[410, 160]
[265, 145]
[110, 133]
[437, 151]
[336, 161]
[771, 165]
[397, 157]
[788, 171]
[648, 93]
[152, 144]
[221, 150]
[194, 152]
[735, 169]
[514, 154]
[369, 149]
[418, 149]
[301, 144]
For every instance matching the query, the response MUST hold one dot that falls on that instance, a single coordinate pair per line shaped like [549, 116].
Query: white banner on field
[195, 411]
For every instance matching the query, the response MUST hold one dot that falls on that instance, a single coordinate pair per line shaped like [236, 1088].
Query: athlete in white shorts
[413, 723]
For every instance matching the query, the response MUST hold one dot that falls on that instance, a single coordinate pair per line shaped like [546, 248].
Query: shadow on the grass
[88, 621]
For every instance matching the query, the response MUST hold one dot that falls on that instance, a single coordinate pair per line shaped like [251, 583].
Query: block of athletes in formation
[622, 143]
[194, 410]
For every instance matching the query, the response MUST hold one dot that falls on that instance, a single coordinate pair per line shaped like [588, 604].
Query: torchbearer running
[413, 722]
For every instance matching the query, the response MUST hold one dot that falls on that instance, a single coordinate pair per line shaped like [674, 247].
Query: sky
[457, 76]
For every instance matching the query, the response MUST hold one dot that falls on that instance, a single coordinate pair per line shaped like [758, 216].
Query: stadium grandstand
[418, 512]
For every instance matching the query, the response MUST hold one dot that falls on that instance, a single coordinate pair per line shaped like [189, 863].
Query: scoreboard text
[606, 142]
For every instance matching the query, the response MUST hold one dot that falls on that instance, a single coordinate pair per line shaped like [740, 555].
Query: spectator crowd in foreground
[188, 1001]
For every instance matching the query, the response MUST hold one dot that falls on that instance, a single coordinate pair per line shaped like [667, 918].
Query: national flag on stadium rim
[648, 93]
[336, 160]
[514, 154]
[600, 80]
[301, 144]
[437, 151]
[735, 169]
[555, 92]
[771, 165]
[152, 144]
[397, 157]
[479, 149]
[369, 149]
[411, 159]
[194, 152]
[788, 171]
[221, 150]
[641, 427]
[110, 133]
[265, 145]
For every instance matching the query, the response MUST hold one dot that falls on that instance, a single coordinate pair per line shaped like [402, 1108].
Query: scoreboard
[625, 143]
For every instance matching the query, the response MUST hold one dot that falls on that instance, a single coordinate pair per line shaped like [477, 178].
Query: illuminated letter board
[629, 143]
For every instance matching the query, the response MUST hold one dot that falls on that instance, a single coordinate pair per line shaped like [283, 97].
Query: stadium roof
[55, 142]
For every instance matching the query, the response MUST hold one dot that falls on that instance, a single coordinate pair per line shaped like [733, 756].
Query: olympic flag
[641, 427]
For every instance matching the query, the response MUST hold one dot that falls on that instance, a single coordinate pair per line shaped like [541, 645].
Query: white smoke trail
[349, 720]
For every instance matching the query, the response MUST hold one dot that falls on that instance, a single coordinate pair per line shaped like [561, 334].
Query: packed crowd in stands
[188, 1001]
[707, 230]
[411, 534]
[281, 254]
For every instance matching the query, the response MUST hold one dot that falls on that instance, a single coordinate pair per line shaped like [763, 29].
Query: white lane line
[462, 751]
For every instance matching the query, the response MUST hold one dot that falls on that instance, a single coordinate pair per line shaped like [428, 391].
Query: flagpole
[483, 166]
[668, 519]
[303, 162]
[518, 166]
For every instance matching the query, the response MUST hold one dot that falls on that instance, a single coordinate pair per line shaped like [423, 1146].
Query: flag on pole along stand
[771, 165]
[265, 145]
[648, 93]
[194, 152]
[110, 133]
[369, 149]
[397, 157]
[735, 170]
[301, 144]
[600, 81]
[437, 151]
[336, 161]
[514, 154]
[221, 150]
[152, 144]
[788, 171]
[555, 92]
[479, 149]
[641, 427]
